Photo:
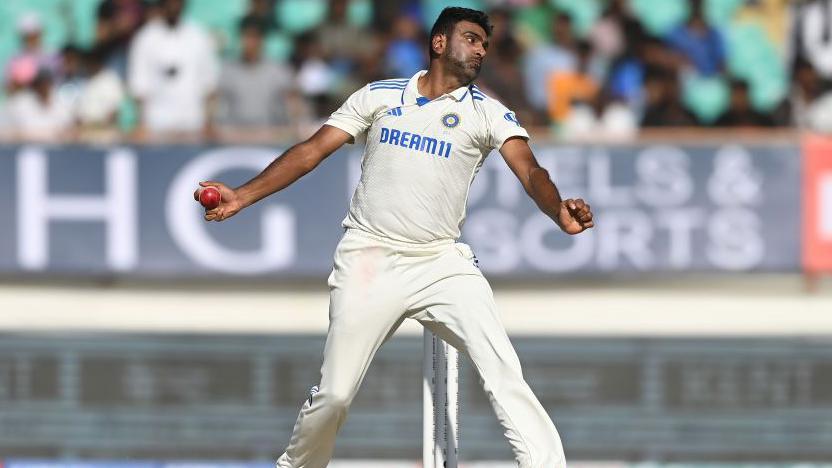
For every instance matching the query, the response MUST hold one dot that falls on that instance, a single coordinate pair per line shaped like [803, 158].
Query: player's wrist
[562, 216]
[243, 197]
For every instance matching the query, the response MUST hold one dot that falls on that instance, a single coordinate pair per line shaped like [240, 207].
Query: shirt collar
[411, 91]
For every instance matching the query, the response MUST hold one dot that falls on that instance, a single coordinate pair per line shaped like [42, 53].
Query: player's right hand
[229, 205]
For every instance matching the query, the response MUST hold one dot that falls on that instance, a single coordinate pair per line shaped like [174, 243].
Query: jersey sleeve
[356, 114]
[503, 125]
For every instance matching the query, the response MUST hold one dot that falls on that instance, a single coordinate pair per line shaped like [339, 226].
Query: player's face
[466, 50]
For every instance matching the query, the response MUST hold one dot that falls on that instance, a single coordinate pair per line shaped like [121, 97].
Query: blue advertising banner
[129, 211]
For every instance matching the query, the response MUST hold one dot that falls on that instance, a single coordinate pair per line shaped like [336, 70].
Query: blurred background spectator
[547, 58]
[699, 43]
[173, 73]
[101, 96]
[663, 101]
[261, 13]
[663, 63]
[253, 91]
[38, 112]
[117, 23]
[23, 67]
[739, 112]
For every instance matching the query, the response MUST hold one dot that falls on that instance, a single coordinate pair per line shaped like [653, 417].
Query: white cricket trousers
[375, 284]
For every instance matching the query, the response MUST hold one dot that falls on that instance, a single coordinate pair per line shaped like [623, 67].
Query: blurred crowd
[577, 67]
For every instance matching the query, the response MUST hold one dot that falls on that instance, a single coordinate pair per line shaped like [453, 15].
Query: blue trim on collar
[373, 88]
[421, 101]
[399, 80]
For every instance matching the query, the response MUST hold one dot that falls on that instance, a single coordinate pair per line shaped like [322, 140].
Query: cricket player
[427, 136]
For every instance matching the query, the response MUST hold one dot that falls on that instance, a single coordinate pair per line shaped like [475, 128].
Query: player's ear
[437, 43]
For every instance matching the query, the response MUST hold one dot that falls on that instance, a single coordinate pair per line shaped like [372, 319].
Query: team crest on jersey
[450, 120]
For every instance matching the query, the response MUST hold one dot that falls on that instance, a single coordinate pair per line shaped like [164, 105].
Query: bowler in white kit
[427, 137]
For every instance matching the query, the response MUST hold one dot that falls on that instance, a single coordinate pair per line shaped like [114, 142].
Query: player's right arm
[353, 118]
[293, 164]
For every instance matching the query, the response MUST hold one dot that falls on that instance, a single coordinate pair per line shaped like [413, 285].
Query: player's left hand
[575, 216]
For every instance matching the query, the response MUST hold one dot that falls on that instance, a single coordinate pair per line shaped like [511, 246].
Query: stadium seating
[751, 54]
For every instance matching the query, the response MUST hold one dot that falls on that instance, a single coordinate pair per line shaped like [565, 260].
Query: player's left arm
[573, 216]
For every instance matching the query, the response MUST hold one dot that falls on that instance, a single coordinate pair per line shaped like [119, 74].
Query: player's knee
[337, 400]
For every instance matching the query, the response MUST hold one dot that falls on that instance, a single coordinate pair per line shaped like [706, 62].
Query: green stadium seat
[220, 17]
[660, 16]
[753, 57]
[721, 12]
[278, 47]
[533, 24]
[584, 14]
[707, 98]
[768, 88]
[360, 13]
[747, 47]
[297, 16]
[128, 115]
[214, 13]
[85, 19]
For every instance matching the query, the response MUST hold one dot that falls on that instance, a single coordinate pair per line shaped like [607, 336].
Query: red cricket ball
[210, 198]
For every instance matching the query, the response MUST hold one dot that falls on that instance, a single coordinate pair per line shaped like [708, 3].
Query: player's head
[251, 39]
[459, 40]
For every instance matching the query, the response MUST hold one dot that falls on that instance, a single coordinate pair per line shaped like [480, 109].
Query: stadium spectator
[254, 91]
[70, 63]
[355, 53]
[544, 59]
[568, 87]
[625, 75]
[315, 77]
[23, 67]
[700, 44]
[345, 44]
[71, 78]
[405, 54]
[663, 100]
[501, 73]
[117, 23]
[262, 13]
[616, 30]
[101, 97]
[38, 113]
[601, 117]
[740, 113]
[173, 74]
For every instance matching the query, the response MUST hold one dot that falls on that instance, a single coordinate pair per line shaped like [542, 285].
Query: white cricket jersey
[421, 156]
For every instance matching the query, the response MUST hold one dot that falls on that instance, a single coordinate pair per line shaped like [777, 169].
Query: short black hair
[448, 19]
